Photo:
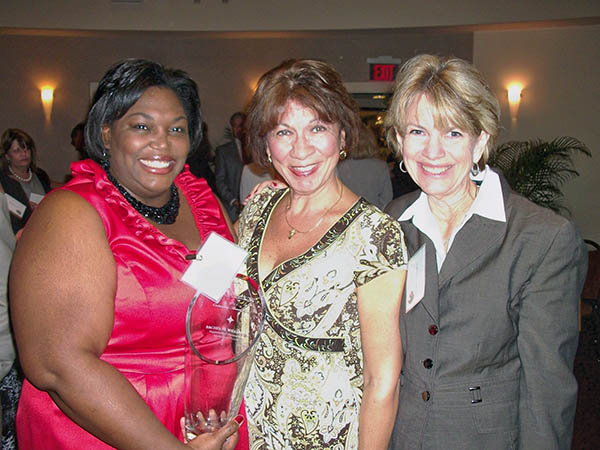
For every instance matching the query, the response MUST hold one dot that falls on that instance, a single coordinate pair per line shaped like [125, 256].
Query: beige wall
[245, 15]
[561, 71]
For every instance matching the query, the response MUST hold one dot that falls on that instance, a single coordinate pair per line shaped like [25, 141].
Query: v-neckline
[324, 241]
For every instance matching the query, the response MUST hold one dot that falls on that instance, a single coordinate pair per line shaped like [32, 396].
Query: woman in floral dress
[332, 267]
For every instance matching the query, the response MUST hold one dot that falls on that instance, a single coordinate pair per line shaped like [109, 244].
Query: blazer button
[428, 363]
[433, 330]
[425, 396]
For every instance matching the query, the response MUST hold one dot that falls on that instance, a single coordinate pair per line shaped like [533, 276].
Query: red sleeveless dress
[148, 342]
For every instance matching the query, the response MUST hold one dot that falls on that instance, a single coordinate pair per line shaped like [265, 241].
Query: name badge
[217, 263]
[35, 198]
[15, 206]
[415, 279]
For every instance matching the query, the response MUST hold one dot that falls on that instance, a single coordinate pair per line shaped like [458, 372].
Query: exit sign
[382, 72]
[383, 68]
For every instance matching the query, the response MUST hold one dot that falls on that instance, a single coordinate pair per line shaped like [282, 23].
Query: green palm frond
[537, 169]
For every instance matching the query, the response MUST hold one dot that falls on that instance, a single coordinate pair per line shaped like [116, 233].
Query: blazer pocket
[499, 408]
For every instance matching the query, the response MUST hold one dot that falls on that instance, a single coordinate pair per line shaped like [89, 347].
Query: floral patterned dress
[305, 385]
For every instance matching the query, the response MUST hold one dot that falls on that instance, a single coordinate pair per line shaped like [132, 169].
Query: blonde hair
[457, 91]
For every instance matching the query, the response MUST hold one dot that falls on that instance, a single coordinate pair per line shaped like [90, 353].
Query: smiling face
[18, 156]
[438, 160]
[305, 149]
[148, 146]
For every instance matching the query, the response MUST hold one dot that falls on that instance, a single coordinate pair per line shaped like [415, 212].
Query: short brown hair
[24, 140]
[457, 91]
[314, 84]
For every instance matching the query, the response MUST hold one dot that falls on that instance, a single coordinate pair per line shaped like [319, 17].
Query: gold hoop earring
[343, 154]
[269, 158]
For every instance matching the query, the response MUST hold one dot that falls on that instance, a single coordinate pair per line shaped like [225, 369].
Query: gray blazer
[228, 172]
[488, 352]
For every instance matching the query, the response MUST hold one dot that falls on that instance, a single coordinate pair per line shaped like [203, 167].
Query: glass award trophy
[221, 334]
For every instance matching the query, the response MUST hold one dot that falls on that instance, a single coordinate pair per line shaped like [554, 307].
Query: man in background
[229, 160]
[78, 140]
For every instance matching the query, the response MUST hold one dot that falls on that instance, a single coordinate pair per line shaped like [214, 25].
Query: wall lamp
[514, 99]
[47, 93]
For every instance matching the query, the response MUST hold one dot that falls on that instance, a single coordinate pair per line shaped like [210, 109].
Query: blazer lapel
[476, 238]
[414, 241]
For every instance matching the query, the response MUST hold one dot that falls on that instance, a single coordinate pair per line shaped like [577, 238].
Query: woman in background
[19, 176]
[489, 347]
[97, 303]
[331, 265]
[252, 175]
[365, 172]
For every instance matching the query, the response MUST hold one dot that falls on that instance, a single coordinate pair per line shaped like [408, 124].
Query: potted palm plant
[537, 169]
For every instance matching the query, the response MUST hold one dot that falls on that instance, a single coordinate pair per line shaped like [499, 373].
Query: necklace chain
[24, 180]
[164, 215]
[293, 230]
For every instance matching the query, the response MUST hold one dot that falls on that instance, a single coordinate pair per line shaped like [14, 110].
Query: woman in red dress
[96, 297]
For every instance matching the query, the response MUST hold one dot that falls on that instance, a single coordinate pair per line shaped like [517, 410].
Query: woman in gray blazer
[489, 328]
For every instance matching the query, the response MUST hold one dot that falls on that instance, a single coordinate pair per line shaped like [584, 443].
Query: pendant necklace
[293, 230]
[164, 215]
[24, 180]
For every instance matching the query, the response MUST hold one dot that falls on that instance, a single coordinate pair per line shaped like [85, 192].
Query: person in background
[10, 373]
[331, 265]
[78, 140]
[20, 177]
[199, 160]
[365, 173]
[229, 160]
[252, 175]
[489, 346]
[96, 299]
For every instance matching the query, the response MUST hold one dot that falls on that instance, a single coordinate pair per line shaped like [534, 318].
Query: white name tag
[15, 206]
[415, 279]
[35, 198]
[217, 263]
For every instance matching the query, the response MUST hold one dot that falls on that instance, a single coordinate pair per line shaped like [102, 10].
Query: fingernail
[239, 420]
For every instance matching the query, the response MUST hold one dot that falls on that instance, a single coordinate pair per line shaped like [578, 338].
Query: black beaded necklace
[165, 215]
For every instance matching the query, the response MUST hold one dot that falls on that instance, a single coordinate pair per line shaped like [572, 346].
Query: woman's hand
[225, 438]
[260, 186]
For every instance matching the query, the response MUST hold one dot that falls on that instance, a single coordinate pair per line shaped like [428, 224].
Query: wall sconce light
[47, 93]
[514, 99]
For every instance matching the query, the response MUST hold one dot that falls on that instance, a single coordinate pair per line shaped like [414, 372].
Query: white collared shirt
[238, 144]
[488, 203]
